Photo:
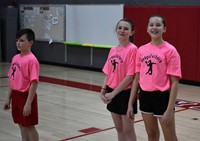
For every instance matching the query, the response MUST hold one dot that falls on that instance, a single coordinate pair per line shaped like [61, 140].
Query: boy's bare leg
[24, 134]
[33, 134]
[29, 133]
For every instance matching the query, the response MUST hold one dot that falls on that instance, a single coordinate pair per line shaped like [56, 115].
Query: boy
[23, 79]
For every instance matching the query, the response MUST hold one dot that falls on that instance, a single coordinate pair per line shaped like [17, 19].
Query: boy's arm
[8, 101]
[31, 94]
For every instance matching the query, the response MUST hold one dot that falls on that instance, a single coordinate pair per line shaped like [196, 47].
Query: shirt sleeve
[131, 61]
[105, 67]
[174, 63]
[137, 62]
[34, 70]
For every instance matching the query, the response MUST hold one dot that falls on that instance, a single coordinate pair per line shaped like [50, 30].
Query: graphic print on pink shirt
[156, 64]
[114, 63]
[13, 72]
[119, 64]
[23, 70]
[150, 65]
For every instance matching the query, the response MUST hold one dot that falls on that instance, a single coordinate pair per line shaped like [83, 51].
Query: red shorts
[18, 102]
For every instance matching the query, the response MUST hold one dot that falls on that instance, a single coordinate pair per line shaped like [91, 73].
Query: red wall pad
[139, 15]
[182, 31]
[188, 25]
[198, 55]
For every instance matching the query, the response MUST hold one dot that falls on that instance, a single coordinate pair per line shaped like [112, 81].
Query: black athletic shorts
[119, 103]
[155, 102]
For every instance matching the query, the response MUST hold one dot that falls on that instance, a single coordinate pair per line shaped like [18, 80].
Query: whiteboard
[93, 24]
[47, 21]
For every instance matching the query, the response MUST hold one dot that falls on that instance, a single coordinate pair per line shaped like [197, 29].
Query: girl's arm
[169, 113]
[31, 94]
[104, 91]
[125, 82]
[104, 82]
[173, 93]
[133, 95]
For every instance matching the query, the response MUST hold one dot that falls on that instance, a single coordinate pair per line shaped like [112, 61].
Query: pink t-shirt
[155, 65]
[120, 63]
[23, 70]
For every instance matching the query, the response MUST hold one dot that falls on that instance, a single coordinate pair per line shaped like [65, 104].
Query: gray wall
[8, 19]
[73, 55]
[127, 2]
[0, 44]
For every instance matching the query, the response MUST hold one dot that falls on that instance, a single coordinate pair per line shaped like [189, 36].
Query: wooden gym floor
[70, 108]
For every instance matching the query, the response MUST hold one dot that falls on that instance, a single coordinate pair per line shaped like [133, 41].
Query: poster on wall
[47, 21]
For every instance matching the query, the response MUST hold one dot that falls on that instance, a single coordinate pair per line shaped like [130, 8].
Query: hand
[27, 110]
[129, 112]
[103, 98]
[7, 105]
[167, 118]
[109, 96]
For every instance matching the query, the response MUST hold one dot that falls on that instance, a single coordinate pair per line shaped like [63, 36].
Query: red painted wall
[198, 55]
[183, 31]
